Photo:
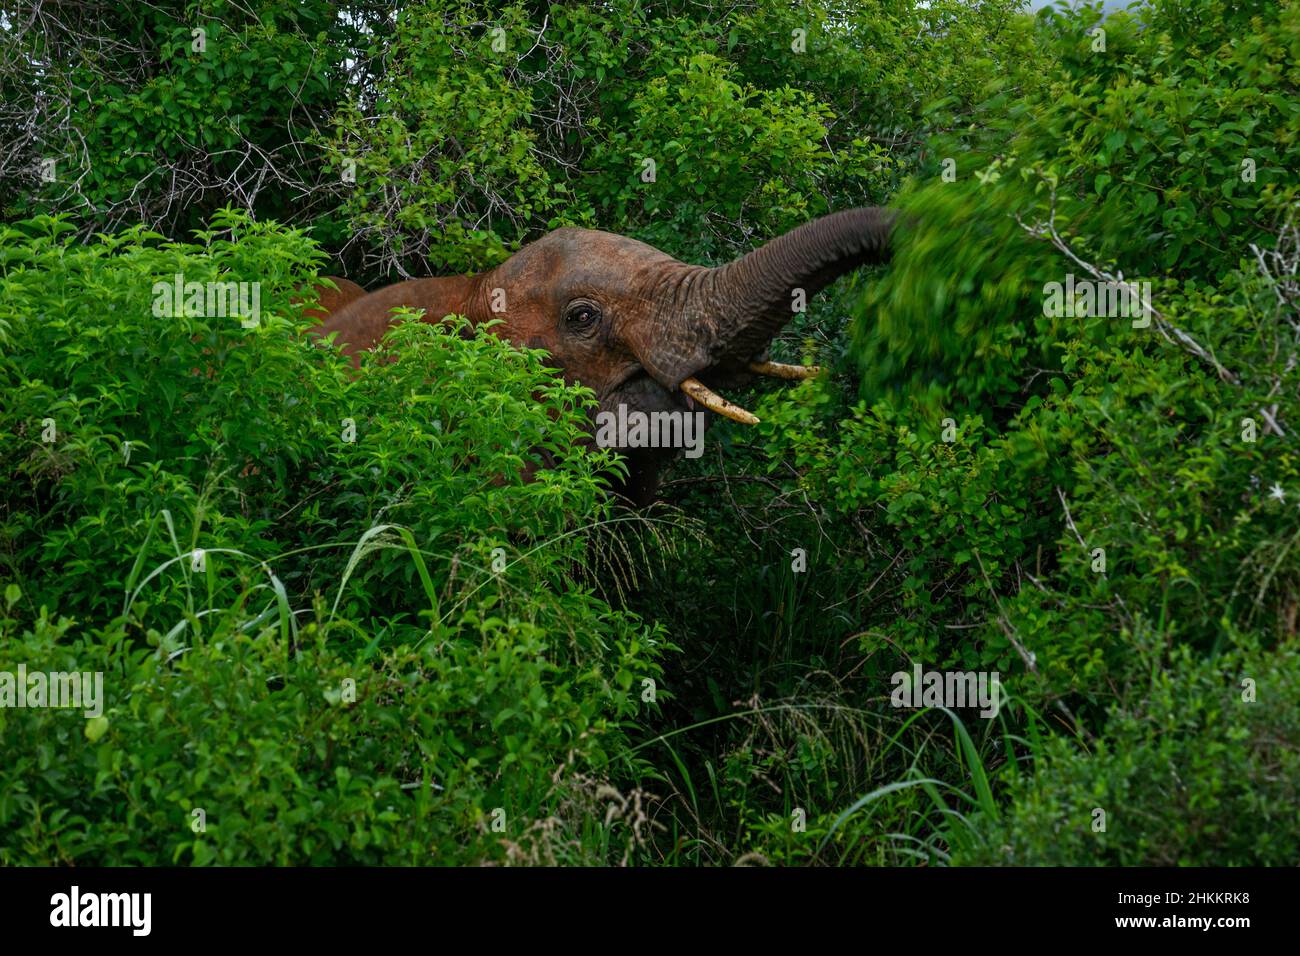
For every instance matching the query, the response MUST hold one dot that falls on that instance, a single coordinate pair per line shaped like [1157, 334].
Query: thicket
[1103, 512]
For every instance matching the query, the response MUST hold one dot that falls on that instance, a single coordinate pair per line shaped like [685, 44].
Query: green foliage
[1156, 158]
[261, 737]
[1192, 774]
[1137, 425]
[493, 122]
[469, 127]
[150, 127]
[453, 140]
[763, 161]
[1095, 510]
[414, 560]
[1102, 511]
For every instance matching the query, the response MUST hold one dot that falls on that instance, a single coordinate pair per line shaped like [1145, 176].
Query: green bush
[484, 128]
[1202, 770]
[1075, 503]
[164, 125]
[1103, 512]
[489, 722]
[411, 558]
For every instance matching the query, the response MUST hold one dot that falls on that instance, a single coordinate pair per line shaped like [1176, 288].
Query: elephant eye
[580, 315]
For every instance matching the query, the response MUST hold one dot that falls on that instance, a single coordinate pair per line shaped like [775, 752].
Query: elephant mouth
[701, 388]
[697, 390]
[717, 323]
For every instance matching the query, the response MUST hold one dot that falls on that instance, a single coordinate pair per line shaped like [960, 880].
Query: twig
[1048, 231]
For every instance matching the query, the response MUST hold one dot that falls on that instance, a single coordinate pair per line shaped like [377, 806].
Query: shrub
[411, 558]
[1190, 773]
[1075, 503]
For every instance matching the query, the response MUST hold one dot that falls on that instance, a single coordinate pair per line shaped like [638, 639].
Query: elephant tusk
[781, 370]
[716, 403]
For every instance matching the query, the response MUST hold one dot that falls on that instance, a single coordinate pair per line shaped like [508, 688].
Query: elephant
[331, 300]
[639, 328]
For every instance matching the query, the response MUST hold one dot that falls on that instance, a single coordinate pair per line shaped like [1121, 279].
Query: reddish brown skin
[626, 320]
[331, 300]
[625, 280]
[328, 301]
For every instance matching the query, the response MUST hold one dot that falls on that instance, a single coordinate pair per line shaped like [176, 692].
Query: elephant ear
[728, 315]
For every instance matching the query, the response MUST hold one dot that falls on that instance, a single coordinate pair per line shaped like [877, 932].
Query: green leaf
[96, 727]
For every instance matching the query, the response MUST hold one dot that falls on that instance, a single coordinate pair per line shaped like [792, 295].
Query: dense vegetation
[393, 648]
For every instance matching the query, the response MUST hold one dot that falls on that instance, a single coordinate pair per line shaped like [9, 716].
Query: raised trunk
[725, 317]
[756, 296]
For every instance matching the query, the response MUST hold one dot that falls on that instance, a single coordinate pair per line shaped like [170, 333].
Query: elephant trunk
[756, 296]
[720, 320]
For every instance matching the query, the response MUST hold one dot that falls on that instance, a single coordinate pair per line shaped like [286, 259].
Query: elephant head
[638, 327]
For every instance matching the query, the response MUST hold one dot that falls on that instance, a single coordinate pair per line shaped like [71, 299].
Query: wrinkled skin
[628, 321]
